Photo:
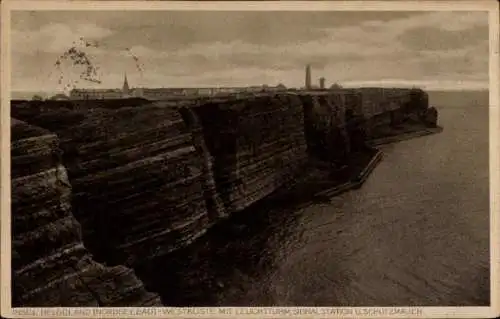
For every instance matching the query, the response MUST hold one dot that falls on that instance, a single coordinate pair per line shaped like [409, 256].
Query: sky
[433, 50]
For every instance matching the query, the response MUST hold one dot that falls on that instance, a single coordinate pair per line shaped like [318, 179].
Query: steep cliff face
[383, 108]
[147, 181]
[377, 101]
[431, 117]
[257, 145]
[325, 118]
[137, 180]
[215, 206]
[50, 264]
[371, 102]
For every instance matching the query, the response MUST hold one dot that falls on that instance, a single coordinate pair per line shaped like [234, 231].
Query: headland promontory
[101, 188]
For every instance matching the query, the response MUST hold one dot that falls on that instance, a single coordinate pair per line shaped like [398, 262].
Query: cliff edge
[50, 264]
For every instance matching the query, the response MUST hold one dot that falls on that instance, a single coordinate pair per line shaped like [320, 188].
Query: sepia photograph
[245, 157]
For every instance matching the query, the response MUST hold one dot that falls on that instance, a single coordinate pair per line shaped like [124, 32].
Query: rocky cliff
[50, 264]
[370, 102]
[257, 145]
[149, 180]
[325, 120]
[384, 110]
[138, 183]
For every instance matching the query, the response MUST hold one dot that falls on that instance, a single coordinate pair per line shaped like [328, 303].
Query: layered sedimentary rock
[385, 107]
[50, 264]
[138, 182]
[352, 100]
[374, 101]
[257, 145]
[325, 118]
[431, 117]
[215, 206]
[148, 180]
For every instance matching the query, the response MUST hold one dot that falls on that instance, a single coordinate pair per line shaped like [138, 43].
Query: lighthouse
[308, 77]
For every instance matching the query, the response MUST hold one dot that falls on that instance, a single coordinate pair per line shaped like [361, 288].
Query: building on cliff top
[102, 94]
[322, 83]
[166, 93]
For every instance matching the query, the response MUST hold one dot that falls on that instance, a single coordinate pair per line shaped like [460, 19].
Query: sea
[415, 234]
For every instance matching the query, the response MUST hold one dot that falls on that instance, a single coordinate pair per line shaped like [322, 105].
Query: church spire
[125, 88]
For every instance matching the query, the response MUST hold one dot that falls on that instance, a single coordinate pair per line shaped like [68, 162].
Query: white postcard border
[243, 312]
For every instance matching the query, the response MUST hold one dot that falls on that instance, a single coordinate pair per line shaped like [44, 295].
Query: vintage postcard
[250, 159]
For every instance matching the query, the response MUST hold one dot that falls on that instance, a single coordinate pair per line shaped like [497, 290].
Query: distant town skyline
[433, 50]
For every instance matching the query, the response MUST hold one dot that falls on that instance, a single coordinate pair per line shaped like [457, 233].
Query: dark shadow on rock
[223, 263]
